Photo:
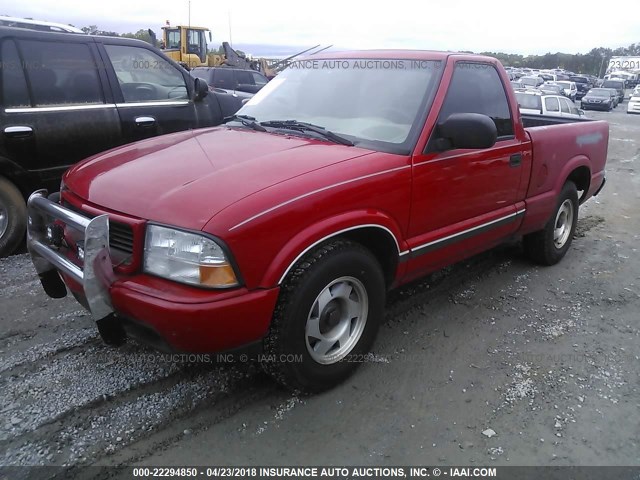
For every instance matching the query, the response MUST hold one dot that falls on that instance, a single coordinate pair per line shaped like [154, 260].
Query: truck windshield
[375, 103]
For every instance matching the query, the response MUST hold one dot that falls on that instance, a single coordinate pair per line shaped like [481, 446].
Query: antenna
[189, 14]
[230, 40]
[321, 50]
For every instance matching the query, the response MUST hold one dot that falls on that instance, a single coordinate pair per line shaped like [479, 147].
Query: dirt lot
[547, 358]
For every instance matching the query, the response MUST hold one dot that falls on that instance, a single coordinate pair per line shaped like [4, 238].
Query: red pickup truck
[347, 175]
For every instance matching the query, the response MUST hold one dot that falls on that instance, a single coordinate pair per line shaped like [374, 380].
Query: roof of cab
[390, 55]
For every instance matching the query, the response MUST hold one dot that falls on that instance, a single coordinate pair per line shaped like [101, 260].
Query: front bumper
[97, 275]
[157, 311]
[595, 106]
[633, 107]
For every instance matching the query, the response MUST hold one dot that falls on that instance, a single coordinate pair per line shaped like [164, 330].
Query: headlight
[187, 258]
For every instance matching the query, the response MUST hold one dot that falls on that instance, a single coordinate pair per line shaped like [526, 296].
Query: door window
[223, 78]
[197, 44]
[14, 84]
[564, 106]
[259, 79]
[476, 88]
[244, 77]
[61, 73]
[173, 39]
[552, 104]
[145, 76]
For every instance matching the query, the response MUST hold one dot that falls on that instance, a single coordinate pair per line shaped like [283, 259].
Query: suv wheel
[13, 217]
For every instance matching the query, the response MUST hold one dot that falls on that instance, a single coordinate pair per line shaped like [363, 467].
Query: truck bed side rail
[530, 120]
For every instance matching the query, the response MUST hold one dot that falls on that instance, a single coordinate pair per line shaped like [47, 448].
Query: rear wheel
[550, 244]
[13, 217]
[327, 317]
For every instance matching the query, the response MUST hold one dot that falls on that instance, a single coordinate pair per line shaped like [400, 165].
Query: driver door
[151, 94]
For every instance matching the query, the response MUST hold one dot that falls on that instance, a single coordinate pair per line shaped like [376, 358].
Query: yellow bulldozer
[187, 45]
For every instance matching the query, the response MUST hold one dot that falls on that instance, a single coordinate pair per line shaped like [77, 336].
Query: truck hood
[184, 179]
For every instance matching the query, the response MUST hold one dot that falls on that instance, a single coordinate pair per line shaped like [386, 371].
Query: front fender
[328, 228]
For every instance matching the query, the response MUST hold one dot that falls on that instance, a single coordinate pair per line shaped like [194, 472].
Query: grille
[120, 237]
[120, 234]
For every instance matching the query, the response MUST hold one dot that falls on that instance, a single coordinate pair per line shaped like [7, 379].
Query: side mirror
[580, 111]
[200, 90]
[466, 130]
[244, 101]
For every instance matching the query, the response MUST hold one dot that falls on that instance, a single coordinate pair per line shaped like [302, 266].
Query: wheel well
[581, 176]
[381, 244]
[10, 172]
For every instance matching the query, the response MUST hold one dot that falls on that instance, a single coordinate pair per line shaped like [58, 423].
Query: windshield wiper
[310, 127]
[246, 120]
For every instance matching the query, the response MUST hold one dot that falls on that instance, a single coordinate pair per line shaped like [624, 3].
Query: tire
[13, 217]
[549, 245]
[313, 299]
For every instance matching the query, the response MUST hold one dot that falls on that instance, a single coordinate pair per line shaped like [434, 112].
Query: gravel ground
[492, 361]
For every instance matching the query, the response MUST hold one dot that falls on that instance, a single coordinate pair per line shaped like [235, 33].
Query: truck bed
[561, 146]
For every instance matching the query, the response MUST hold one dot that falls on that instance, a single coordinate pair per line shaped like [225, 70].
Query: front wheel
[549, 245]
[327, 317]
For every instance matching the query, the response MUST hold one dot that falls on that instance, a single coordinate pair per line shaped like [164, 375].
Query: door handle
[18, 131]
[515, 160]
[145, 121]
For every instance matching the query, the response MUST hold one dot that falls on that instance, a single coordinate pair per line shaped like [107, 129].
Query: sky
[267, 26]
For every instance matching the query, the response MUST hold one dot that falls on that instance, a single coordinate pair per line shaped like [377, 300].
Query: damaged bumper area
[158, 312]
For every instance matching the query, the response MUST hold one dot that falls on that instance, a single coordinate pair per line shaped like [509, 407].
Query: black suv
[229, 78]
[64, 97]
[583, 84]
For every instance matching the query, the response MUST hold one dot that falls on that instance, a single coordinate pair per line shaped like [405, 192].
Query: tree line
[140, 34]
[595, 62]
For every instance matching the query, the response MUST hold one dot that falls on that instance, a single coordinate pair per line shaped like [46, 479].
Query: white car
[537, 103]
[570, 89]
[634, 102]
[635, 92]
